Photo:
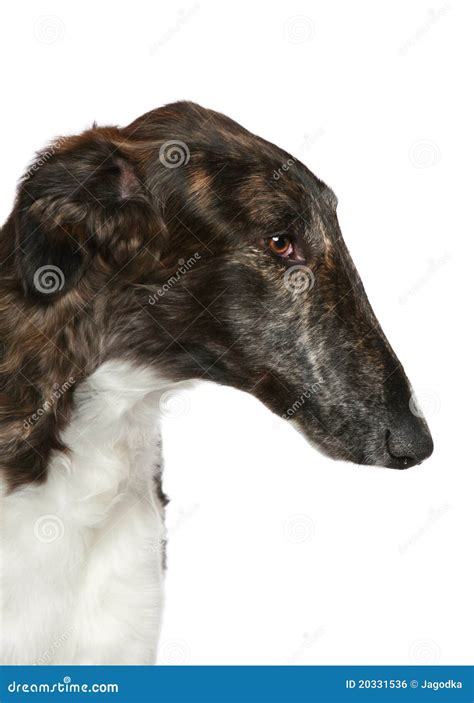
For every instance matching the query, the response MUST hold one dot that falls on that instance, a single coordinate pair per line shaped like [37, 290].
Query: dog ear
[81, 197]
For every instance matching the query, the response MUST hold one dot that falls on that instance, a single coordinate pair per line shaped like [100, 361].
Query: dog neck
[113, 437]
[92, 534]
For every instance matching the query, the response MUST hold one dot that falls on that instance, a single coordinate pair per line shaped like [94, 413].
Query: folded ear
[81, 197]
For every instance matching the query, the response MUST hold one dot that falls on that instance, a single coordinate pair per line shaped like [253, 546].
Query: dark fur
[104, 209]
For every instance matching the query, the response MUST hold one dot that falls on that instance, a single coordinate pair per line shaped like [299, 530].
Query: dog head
[208, 252]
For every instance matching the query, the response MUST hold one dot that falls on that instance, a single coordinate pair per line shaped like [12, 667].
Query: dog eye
[280, 245]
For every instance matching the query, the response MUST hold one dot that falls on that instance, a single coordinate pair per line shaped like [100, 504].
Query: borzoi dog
[137, 259]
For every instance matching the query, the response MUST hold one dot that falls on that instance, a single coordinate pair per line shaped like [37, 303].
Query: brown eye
[280, 245]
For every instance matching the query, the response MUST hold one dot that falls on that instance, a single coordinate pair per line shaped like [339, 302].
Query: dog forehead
[233, 175]
[258, 180]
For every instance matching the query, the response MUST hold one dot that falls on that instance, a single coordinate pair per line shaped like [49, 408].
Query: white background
[278, 554]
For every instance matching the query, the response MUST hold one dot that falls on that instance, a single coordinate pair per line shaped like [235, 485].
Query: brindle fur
[104, 209]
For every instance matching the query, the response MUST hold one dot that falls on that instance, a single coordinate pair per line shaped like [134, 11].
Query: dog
[137, 260]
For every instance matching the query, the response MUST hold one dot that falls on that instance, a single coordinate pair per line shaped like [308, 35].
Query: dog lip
[389, 461]
[401, 462]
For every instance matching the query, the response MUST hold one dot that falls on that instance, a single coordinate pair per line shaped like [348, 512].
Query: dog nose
[408, 442]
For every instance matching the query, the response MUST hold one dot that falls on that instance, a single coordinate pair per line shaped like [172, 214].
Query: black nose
[408, 442]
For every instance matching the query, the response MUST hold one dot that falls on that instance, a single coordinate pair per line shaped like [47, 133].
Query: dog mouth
[404, 443]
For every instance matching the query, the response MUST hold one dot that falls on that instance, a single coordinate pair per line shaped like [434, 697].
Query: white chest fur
[82, 575]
